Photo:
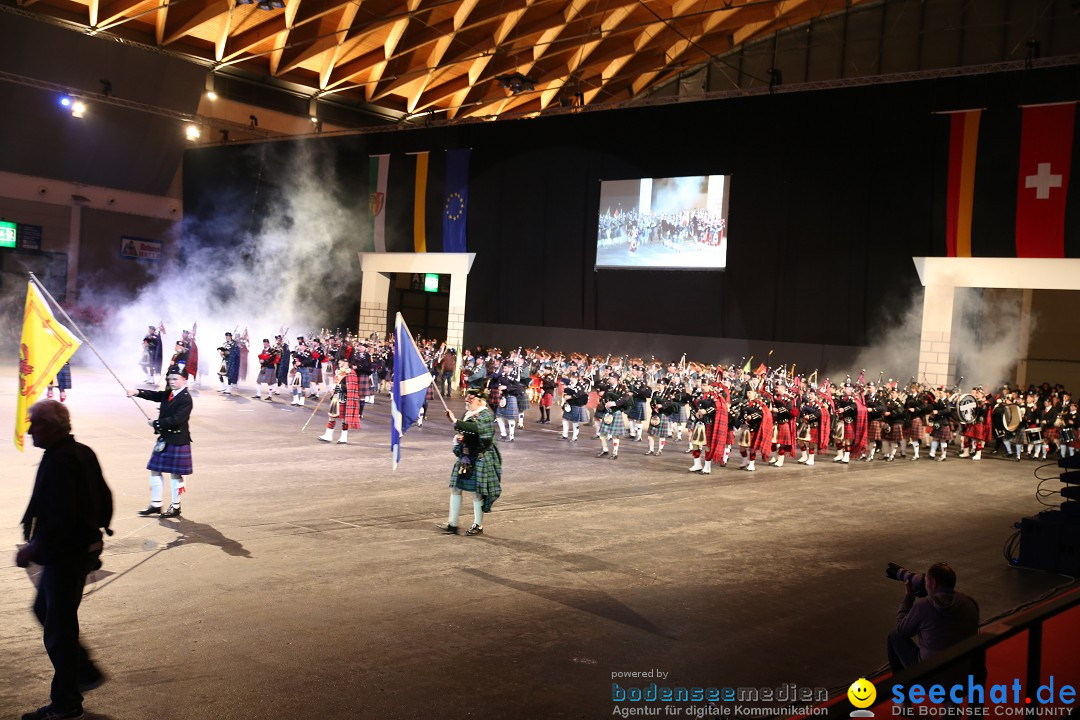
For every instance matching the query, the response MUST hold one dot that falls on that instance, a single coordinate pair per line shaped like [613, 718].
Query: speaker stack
[1051, 539]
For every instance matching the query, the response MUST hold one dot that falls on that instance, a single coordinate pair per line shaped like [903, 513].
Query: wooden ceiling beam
[184, 18]
[110, 12]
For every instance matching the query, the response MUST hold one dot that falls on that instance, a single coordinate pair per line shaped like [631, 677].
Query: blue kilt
[175, 459]
[523, 404]
[267, 375]
[684, 413]
[638, 411]
[576, 414]
[63, 378]
[662, 428]
[616, 427]
[510, 410]
[305, 375]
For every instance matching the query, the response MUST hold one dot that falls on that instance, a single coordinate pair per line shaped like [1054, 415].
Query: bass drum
[1012, 418]
[963, 408]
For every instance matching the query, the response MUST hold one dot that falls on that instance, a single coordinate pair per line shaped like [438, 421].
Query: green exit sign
[7, 237]
[431, 282]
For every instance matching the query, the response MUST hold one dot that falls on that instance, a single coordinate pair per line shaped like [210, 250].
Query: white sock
[455, 506]
[155, 490]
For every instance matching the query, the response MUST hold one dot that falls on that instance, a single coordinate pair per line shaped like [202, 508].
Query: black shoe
[615, 456]
[449, 529]
[49, 713]
[475, 530]
[151, 510]
[173, 512]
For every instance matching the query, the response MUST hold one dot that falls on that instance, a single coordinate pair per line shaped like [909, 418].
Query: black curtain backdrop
[832, 194]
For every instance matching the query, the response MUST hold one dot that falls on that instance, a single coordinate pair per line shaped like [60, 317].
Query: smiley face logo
[862, 693]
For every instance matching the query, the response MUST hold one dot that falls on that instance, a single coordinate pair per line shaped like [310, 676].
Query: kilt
[1050, 435]
[977, 431]
[684, 414]
[365, 385]
[350, 407]
[849, 430]
[175, 459]
[576, 414]
[546, 400]
[493, 398]
[662, 428]
[267, 375]
[305, 375]
[916, 430]
[485, 479]
[784, 436]
[523, 404]
[873, 431]
[895, 434]
[616, 428]
[63, 378]
[943, 433]
[508, 411]
[638, 411]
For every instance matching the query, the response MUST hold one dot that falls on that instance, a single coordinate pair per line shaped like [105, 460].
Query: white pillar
[455, 320]
[374, 295]
[937, 366]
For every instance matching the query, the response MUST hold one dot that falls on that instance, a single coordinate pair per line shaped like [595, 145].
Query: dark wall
[832, 194]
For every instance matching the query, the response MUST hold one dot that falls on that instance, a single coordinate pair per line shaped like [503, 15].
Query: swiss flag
[1045, 155]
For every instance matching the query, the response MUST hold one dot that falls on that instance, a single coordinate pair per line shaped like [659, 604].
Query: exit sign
[431, 282]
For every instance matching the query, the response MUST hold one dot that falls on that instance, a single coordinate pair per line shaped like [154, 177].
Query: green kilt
[486, 476]
[616, 428]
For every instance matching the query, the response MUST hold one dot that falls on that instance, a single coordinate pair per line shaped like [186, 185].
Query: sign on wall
[138, 249]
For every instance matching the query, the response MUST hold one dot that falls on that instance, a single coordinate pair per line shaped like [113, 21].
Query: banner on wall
[138, 249]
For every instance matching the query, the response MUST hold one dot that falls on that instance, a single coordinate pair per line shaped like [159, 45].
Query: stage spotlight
[106, 86]
[210, 94]
[77, 108]
[65, 101]
[192, 132]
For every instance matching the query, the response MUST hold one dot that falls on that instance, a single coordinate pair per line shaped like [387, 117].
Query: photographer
[940, 619]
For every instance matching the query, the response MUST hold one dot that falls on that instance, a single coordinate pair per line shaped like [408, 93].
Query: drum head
[1011, 418]
[966, 406]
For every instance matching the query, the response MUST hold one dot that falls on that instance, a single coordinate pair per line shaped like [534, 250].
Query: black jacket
[173, 415]
[69, 505]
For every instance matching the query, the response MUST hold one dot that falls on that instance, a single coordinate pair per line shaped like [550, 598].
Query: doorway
[426, 312]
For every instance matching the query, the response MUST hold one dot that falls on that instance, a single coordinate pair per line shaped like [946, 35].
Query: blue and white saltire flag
[411, 381]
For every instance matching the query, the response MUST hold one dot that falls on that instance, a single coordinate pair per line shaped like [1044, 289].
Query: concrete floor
[307, 580]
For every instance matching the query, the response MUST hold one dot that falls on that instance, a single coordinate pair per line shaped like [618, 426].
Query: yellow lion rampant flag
[45, 347]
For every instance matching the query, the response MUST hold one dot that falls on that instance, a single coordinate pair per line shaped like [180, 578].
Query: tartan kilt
[485, 478]
[508, 411]
[662, 428]
[718, 436]
[638, 411]
[493, 398]
[684, 414]
[849, 430]
[1050, 435]
[366, 386]
[350, 408]
[873, 430]
[616, 428]
[576, 414]
[546, 400]
[943, 433]
[63, 378]
[267, 375]
[916, 430]
[523, 404]
[784, 436]
[760, 444]
[895, 434]
[175, 459]
[977, 431]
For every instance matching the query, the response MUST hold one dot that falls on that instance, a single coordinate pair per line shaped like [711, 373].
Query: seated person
[942, 618]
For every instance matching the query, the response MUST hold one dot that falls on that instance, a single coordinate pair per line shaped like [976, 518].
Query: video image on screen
[670, 223]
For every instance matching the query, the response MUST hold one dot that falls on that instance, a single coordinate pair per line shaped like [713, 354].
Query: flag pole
[85, 339]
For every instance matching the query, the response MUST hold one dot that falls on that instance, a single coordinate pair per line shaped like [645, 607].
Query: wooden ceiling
[464, 58]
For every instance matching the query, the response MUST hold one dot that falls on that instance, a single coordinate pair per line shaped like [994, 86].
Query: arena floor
[307, 580]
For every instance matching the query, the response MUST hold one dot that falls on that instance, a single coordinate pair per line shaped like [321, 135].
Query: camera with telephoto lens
[917, 580]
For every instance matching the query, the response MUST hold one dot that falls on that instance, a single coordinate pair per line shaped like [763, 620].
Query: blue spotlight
[65, 101]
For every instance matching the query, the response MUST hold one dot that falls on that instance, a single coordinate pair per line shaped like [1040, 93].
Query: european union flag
[411, 381]
[456, 202]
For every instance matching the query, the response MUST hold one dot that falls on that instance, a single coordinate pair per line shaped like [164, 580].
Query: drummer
[977, 433]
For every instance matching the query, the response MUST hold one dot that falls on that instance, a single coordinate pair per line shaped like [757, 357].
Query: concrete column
[1025, 338]
[374, 297]
[455, 321]
[937, 365]
[74, 238]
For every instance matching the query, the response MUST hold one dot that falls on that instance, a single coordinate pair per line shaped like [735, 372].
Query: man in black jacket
[172, 451]
[62, 524]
